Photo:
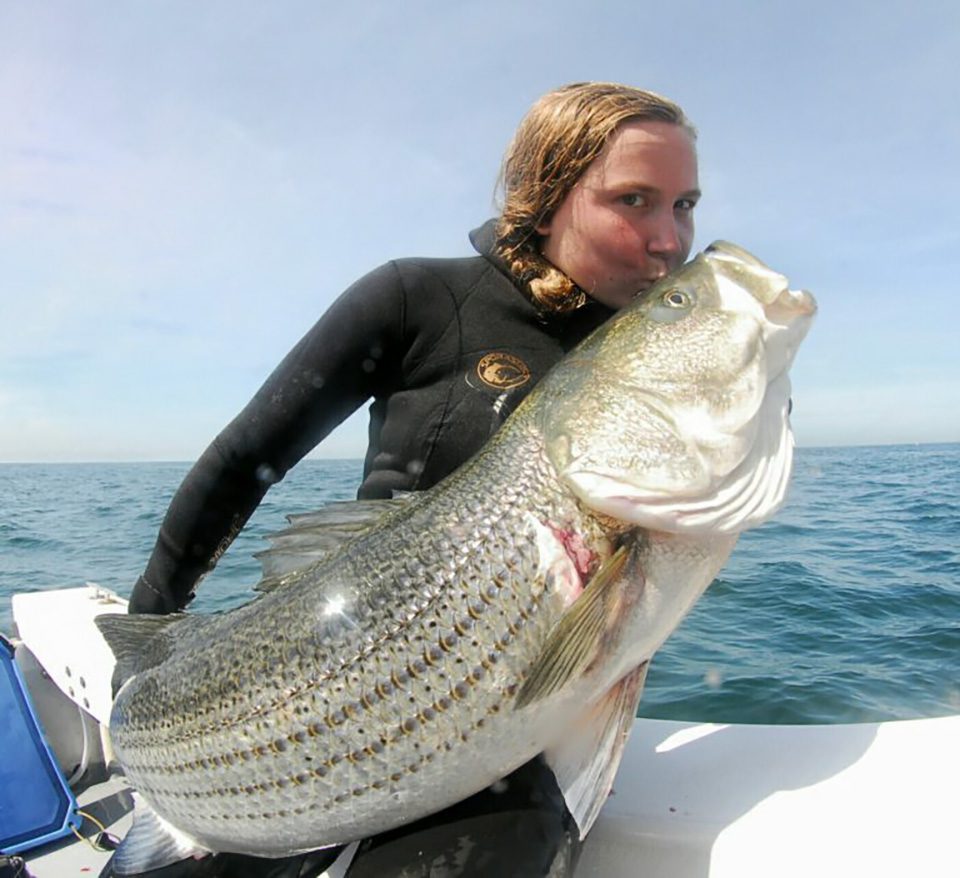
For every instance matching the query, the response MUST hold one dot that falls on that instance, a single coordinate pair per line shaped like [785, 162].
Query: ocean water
[844, 608]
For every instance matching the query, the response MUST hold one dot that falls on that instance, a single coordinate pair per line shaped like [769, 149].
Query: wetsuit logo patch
[503, 371]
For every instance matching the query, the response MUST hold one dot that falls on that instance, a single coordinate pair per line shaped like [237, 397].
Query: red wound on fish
[584, 559]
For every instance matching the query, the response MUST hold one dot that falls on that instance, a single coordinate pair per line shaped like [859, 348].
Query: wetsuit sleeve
[348, 356]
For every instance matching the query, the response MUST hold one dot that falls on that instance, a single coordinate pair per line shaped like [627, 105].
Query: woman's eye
[634, 199]
[685, 204]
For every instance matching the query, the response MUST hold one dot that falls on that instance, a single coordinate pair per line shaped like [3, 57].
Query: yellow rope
[82, 837]
[92, 819]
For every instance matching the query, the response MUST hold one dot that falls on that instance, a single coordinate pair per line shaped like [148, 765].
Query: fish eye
[676, 299]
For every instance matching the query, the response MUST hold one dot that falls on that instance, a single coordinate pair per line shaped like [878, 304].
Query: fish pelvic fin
[586, 763]
[138, 642]
[152, 843]
[579, 636]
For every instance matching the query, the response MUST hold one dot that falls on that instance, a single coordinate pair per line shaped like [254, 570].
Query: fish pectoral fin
[152, 843]
[585, 765]
[313, 536]
[574, 642]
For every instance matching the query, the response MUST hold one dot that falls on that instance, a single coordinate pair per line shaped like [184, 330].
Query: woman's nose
[664, 235]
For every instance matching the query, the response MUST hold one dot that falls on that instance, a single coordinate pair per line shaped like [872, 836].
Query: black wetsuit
[446, 348]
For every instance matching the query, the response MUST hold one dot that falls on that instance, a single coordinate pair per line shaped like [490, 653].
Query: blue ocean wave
[845, 607]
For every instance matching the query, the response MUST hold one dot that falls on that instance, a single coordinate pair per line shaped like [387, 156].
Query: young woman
[599, 187]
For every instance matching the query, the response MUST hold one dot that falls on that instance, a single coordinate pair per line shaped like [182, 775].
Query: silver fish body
[507, 611]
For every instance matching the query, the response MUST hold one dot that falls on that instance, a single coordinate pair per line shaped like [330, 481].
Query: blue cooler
[36, 804]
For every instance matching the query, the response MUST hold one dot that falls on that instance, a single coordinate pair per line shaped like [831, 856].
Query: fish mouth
[795, 302]
[769, 287]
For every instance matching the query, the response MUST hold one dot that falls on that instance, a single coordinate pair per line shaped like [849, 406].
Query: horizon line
[359, 459]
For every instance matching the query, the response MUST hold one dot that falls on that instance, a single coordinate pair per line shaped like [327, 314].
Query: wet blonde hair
[555, 143]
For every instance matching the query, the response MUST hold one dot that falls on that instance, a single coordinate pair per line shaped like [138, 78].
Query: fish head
[674, 415]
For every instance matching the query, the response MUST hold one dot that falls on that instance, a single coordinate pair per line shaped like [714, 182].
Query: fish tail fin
[152, 843]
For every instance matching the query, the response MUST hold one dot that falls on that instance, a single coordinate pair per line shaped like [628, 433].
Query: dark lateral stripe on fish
[424, 716]
[458, 691]
[302, 779]
[463, 627]
[316, 773]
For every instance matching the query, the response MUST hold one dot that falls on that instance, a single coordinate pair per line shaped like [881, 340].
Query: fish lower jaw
[616, 499]
[670, 513]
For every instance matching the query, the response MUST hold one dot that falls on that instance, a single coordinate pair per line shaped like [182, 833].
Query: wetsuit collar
[484, 240]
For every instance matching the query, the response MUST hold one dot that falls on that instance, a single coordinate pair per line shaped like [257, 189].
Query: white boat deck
[707, 801]
[691, 800]
[745, 801]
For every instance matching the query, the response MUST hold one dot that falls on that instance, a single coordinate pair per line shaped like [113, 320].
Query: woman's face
[628, 220]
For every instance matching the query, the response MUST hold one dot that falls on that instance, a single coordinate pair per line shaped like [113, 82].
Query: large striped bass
[402, 660]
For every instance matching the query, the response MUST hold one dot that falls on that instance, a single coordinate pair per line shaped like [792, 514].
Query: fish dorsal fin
[586, 764]
[313, 536]
[152, 843]
[573, 643]
[138, 642]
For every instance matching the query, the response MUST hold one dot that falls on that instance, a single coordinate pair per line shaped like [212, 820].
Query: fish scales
[510, 610]
[464, 638]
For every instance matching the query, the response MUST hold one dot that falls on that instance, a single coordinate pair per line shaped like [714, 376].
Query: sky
[185, 187]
